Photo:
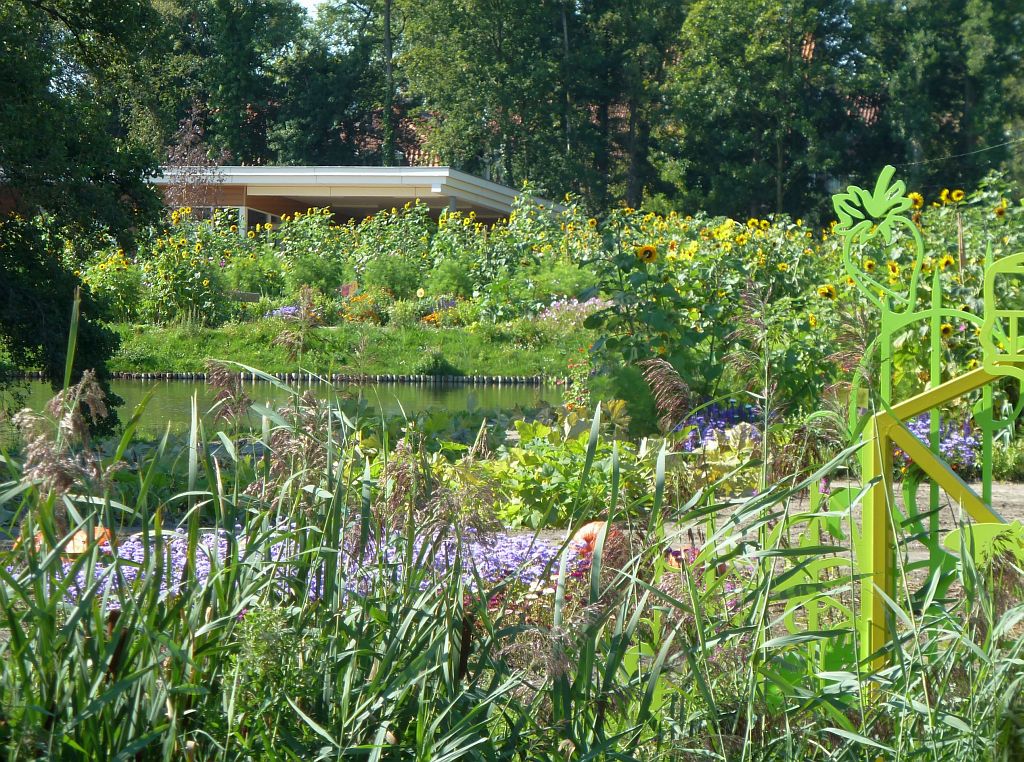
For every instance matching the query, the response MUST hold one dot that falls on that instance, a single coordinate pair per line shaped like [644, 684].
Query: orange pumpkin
[587, 536]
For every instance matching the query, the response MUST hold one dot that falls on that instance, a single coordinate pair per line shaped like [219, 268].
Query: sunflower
[234, 228]
[946, 330]
[827, 291]
[647, 253]
[870, 265]
[783, 267]
[812, 321]
[956, 196]
[946, 261]
[944, 196]
[894, 269]
[1000, 210]
[972, 364]
[916, 199]
[251, 234]
[592, 223]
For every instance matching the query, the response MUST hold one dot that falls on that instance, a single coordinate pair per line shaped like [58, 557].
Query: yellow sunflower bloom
[827, 291]
[946, 261]
[956, 196]
[870, 265]
[946, 330]
[647, 253]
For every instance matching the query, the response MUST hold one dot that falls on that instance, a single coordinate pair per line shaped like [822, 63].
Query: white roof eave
[443, 181]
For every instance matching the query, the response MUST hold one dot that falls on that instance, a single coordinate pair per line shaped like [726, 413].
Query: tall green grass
[636, 659]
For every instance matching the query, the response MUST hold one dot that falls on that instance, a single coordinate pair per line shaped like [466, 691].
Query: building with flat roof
[263, 194]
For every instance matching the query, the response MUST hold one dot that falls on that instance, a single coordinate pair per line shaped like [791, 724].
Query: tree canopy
[76, 123]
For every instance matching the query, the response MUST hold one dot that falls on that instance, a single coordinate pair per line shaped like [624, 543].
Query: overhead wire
[1015, 141]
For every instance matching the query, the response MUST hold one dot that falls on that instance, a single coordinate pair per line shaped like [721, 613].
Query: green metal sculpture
[882, 212]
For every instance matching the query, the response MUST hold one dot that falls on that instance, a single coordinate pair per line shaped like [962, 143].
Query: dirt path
[1007, 501]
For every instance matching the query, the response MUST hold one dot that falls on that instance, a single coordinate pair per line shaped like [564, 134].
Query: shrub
[563, 278]
[395, 273]
[464, 312]
[185, 281]
[369, 306]
[260, 273]
[1008, 461]
[326, 272]
[116, 281]
[406, 313]
[434, 363]
[450, 278]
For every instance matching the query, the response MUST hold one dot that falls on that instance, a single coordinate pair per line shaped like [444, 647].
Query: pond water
[171, 401]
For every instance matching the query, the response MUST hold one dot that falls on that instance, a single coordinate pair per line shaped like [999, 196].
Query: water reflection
[172, 400]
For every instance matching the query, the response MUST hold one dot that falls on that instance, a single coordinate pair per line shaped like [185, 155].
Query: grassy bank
[358, 348]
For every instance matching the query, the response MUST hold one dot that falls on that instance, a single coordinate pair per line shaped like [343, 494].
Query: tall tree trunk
[637, 146]
[778, 173]
[567, 113]
[388, 143]
[604, 149]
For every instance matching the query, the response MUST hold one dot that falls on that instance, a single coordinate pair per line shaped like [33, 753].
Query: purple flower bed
[289, 311]
[715, 418]
[958, 445]
[521, 558]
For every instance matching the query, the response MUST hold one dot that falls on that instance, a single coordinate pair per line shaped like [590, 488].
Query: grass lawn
[356, 348]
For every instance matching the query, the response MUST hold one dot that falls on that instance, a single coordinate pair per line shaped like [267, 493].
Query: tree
[318, 104]
[955, 85]
[72, 168]
[766, 98]
[242, 41]
[616, 57]
[486, 74]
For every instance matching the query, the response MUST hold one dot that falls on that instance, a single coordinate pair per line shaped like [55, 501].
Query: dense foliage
[331, 584]
[74, 154]
[761, 305]
[738, 107]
